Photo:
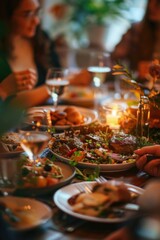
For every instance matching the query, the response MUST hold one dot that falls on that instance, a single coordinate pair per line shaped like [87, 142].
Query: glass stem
[55, 99]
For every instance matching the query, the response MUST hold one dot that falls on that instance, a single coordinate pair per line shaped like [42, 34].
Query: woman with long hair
[26, 52]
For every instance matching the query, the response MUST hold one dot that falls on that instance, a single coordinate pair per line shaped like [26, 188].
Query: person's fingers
[141, 162]
[25, 80]
[26, 71]
[153, 168]
[154, 149]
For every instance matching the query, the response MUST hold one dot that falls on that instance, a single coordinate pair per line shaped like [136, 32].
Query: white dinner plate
[80, 96]
[62, 196]
[117, 167]
[31, 213]
[89, 115]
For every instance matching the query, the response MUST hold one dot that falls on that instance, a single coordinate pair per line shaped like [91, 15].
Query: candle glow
[112, 117]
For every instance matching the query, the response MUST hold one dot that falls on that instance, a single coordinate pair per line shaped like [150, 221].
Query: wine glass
[99, 67]
[33, 142]
[8, 172]
[56, 80]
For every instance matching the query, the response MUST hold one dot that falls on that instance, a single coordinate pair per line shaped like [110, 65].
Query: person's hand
[144, 161]
[82, 78]
[120, 234]
[19, 81]
[25, 80]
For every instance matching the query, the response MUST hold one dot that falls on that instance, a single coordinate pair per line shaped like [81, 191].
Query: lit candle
[113, 113]
[112, 119]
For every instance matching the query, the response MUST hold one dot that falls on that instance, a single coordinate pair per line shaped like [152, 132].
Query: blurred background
[95, 24]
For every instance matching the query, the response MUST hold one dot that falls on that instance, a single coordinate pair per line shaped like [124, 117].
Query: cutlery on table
[65, 222]
[8, 212]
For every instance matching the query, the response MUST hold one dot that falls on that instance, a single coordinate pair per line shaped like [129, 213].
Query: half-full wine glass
[56, 80]
[33, 142]
[99, 67]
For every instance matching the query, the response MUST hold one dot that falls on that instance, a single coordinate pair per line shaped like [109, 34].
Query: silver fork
[101, 179]
[84, 188]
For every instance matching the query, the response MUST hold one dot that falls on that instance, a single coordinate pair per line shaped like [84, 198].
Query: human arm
[120, 234]
[18, 81]
[81, 78]
[144, 163]
[32, 97]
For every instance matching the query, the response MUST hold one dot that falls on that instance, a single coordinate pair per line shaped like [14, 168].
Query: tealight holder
[113, 113]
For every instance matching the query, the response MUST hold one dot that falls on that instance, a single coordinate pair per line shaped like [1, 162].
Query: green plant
[95, 11]
[76, 15]
[127, 76]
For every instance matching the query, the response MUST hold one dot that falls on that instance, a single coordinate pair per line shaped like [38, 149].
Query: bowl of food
[43, 177]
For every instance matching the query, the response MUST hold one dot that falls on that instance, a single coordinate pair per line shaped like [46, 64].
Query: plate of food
[24, 213]
[109, 202]
[95, 149]
[80, 96]
[44, 177]
[62, 117]
[11, 142]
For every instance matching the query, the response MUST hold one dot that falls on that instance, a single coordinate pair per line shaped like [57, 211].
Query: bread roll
[75, 117]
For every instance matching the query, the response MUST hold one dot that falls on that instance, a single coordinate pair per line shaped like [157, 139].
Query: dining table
[66, 227]
[63, 226]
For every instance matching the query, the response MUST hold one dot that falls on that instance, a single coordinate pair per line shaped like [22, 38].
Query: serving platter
[117, 167]
[90, 116]
[62, 196]
[89, 148]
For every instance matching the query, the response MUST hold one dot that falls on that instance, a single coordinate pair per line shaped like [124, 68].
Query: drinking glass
[8, 172]
[99, 67]
[33, 142]
[56, 80]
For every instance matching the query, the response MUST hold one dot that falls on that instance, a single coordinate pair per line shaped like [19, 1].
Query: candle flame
[114, 112]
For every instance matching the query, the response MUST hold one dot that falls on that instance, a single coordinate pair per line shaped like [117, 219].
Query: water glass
[8, 172]
[56, 80]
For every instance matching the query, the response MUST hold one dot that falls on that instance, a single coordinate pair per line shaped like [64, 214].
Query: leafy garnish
[87, 175]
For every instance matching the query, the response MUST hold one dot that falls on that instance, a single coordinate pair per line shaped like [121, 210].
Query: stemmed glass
[8, 172]
[56, 80]
[33, 142]
[99, 67]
